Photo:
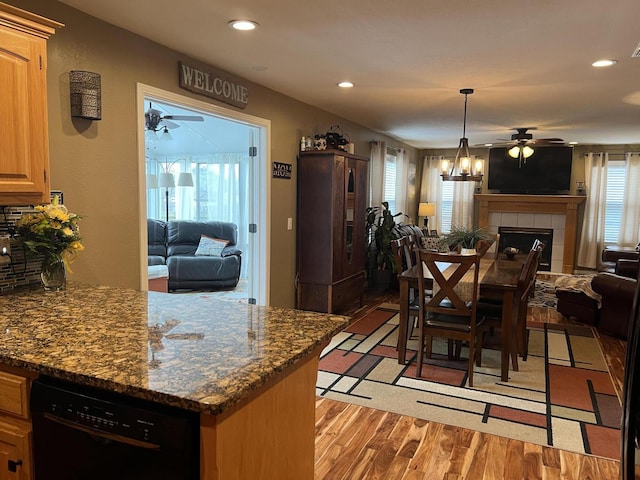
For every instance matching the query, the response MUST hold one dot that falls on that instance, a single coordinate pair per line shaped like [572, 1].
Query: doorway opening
[217, 159]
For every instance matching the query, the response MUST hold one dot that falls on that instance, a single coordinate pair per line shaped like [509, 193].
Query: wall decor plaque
[213, 83]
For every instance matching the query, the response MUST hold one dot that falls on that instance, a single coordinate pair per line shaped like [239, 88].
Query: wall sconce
[85, 94]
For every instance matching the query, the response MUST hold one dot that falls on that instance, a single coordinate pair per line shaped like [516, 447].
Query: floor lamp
[185, 179]
[166, 181]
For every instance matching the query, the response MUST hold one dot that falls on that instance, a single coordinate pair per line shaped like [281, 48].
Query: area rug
[562, 396]
[545, 294]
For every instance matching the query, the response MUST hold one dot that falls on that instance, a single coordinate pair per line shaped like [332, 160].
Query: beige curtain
[376, 172]
[592, 237]
[402, 178]
[430, 184]
[630, 224]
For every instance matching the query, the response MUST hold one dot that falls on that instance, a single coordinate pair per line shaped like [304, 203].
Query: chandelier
[463, 167]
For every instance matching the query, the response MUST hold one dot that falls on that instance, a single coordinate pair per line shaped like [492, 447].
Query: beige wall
[95, 163]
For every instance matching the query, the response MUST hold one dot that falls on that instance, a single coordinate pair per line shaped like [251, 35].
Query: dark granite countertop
[186, 350]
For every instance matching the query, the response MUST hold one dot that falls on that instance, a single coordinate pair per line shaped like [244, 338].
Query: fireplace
[532, 206]
[522, 238]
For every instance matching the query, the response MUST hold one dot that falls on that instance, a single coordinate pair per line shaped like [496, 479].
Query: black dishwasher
[86, 433]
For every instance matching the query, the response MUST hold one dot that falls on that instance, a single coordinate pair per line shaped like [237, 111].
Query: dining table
[498, 279]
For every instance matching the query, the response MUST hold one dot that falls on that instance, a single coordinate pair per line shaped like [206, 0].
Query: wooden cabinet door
[15, 447]
[355, 192]
[24, 157]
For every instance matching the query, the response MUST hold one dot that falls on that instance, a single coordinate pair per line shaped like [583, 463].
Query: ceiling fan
[153, 119]
[523, 142]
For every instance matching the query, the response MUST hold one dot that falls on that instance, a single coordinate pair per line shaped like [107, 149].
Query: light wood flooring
[354, 442]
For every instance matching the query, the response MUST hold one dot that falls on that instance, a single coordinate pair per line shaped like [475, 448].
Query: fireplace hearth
[522, 238]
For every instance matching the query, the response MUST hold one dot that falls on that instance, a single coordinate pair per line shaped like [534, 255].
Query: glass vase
[54, 273]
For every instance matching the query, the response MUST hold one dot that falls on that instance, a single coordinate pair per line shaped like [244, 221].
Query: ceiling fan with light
[155, 121]
[524, 143]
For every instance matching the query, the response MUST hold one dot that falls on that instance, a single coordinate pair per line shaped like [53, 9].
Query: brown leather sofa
[617, 290]
[612, 254]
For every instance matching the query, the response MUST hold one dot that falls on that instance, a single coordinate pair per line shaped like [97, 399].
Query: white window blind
[614, 200]
[390, 173]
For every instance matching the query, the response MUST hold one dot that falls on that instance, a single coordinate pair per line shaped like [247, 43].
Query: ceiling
[212, 135]
[529, 61]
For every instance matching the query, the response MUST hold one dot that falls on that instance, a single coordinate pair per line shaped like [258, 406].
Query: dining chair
[397, 247]
[484, 246]
[404, 253]
[492, 311]
[451, 310]
[522, 331]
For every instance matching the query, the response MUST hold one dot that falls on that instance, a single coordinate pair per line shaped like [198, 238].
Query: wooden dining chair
[404, 255]
[449, 312]
[398, 247]
[492, 310]
[522, 331]
[483, 247]
[403, 252]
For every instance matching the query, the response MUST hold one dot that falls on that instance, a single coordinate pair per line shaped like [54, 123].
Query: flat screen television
[546, 172]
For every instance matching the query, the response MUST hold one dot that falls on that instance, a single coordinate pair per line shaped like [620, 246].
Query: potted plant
[379, 233]
[464, 238]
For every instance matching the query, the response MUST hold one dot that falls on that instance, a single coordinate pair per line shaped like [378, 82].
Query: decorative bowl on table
[510, 252]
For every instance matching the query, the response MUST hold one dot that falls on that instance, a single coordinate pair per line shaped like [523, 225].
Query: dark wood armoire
[332, 202]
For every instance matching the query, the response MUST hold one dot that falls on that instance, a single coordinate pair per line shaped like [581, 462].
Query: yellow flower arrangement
[51, 231]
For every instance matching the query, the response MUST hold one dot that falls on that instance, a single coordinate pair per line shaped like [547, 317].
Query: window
[614, 200]
[389, 186]
[446, 206]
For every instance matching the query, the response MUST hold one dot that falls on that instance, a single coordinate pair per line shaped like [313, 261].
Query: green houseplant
[463, 237]
[380, 223]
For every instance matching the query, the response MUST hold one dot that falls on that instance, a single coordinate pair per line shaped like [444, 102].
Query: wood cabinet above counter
[24, 133]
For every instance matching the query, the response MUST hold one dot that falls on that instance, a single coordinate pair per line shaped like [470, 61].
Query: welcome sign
[213, 83]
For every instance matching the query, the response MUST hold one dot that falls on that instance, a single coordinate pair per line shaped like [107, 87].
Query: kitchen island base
[270, 435]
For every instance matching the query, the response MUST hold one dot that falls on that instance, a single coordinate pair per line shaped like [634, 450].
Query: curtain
[592, 237]
[402, 175]
[376, 172]
[462, 212]
[185, 196]
[630, 221]
[430, 185]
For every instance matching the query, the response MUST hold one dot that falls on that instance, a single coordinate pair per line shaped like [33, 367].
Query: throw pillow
[430, 243]
[211, 247]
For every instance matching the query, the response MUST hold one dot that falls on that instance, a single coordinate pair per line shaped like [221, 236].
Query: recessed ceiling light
[573, 143]
[345, 84]
[488, 144]
[604, 63]
[243, 24]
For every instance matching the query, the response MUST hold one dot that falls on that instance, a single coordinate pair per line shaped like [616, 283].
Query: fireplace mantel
[566, 205]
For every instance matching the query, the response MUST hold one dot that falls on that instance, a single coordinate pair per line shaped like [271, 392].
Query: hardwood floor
[354, 442]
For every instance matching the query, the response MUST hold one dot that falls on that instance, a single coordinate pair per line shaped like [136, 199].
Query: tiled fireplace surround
[558, 212]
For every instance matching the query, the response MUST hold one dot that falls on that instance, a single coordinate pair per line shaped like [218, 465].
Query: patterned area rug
[562, 396]
[545, 294]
